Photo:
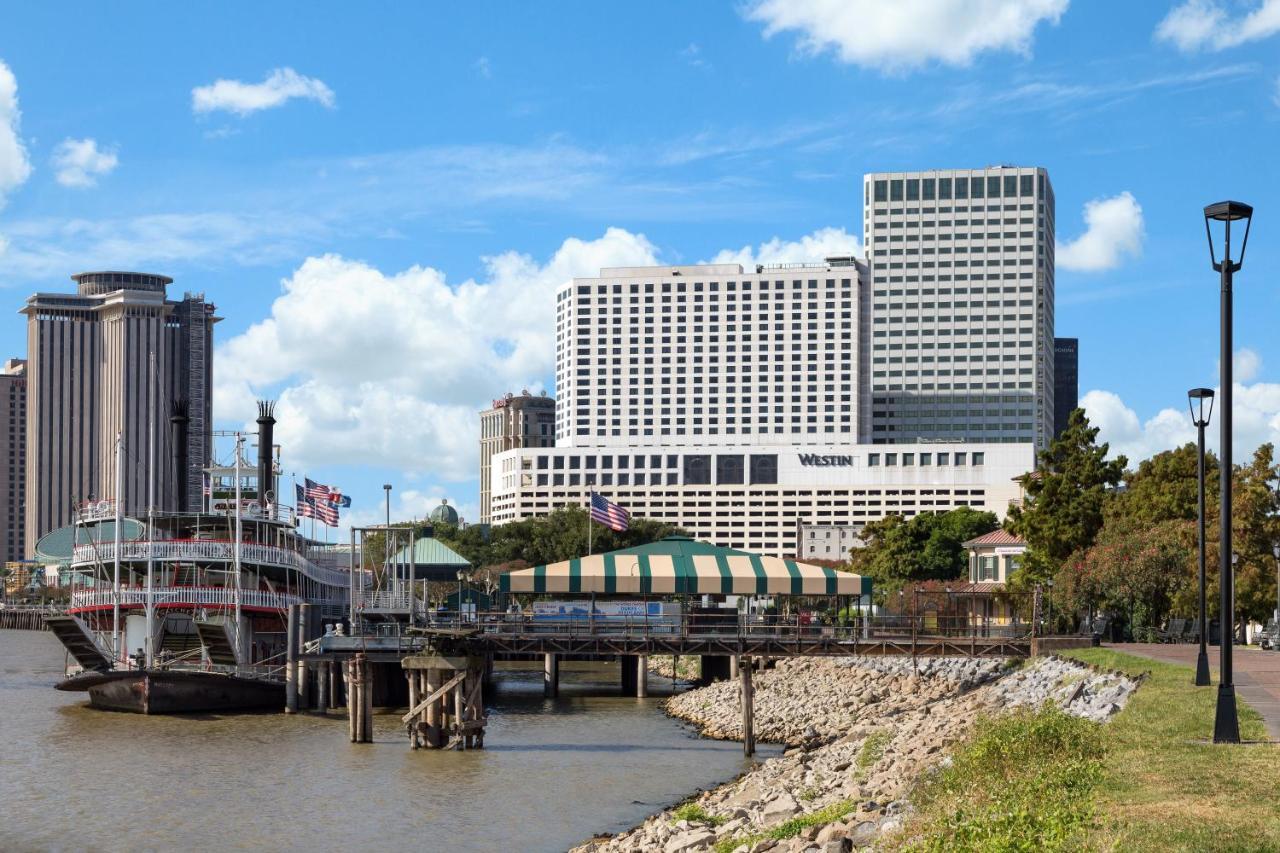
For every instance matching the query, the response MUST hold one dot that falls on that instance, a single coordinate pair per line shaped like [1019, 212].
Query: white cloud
[391, 369]
[79, 162]
[483, 68]
[1200, 24]
[49, 247]
[1113, 229]
[821, 244]
[243, 98]
[906, 34]
[411, 504]
[1255, 418]
[15, 167]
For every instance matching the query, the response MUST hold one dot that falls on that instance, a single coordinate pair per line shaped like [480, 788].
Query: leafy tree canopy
[925, 547]
[1062, 510]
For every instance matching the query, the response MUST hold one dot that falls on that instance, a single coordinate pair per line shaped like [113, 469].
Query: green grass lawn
[1162, 787]
[1149, 780]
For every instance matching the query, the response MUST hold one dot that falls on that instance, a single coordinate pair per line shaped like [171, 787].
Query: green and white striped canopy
[679, 565]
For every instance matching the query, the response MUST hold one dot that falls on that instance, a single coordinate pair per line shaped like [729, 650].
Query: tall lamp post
[1196, 398]
[1275, 549]
[1226, 723]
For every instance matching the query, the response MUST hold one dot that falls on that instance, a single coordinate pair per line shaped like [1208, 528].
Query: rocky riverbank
[861, 732]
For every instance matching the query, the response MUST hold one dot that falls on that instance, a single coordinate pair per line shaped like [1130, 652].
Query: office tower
[725, 401]
[13, 459]
[960, 332]
[109, 360]
[513, 422]
[1066, 381]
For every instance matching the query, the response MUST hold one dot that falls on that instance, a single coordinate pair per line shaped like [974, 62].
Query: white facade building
[745, 405]
[708, 355]
[961, 304]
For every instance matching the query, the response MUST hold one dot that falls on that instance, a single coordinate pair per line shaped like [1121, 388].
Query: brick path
[1257, 673]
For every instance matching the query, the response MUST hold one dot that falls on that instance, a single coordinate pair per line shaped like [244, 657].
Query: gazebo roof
[432, 560]
[680, 565]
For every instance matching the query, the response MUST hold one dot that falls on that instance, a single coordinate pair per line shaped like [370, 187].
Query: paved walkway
[1257, 673]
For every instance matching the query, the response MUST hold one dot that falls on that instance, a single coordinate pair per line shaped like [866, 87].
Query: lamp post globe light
[1221, 216]
[1200, 415]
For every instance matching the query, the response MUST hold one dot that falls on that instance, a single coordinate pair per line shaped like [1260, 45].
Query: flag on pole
[323, 511]
[609, 513]
[338, 499]
[315, 491]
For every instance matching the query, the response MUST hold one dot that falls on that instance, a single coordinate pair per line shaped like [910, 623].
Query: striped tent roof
[679, 565]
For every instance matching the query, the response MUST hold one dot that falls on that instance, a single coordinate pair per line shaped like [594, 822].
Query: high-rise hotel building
[516, 420]
[960, 339]
[91, 376]
[13, 459]
[748, 404]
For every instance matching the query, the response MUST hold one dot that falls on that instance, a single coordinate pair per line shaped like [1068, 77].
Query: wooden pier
[26, 618]
[445, 664]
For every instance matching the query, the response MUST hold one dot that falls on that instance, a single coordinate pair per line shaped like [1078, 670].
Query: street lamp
[1226, 724]
[1196, 398]
[1275, 549]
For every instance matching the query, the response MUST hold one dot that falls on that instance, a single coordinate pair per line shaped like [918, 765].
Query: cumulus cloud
[390, 369]
[79, 162]
[1207, 24]
[412, 504]
[906, 34]
[15, 166]
[823, 243]
[242, 98]
[1113, 230]
[1255, 412]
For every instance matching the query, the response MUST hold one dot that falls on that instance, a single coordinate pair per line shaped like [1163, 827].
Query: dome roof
[445, 514]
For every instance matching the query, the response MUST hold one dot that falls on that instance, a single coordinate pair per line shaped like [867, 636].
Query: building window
[979, 458]
[764, 468]
[697, 470]
[873, 460]
[729, 469]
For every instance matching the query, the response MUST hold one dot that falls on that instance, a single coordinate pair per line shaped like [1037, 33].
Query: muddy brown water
[554, 771]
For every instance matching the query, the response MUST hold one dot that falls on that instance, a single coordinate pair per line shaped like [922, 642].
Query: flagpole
[590, 528]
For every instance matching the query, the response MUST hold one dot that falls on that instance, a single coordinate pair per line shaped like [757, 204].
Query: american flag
[608, 513]
[323, 511]
[320, 493]
[316, 491]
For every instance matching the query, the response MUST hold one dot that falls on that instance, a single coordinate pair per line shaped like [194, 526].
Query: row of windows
[928, 189]
[927, 459]
[698, 286]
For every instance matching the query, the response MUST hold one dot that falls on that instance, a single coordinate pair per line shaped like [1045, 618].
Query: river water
[553, 772]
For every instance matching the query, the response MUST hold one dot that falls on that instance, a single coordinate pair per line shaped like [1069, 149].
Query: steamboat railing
[203, 550]
[179, 596]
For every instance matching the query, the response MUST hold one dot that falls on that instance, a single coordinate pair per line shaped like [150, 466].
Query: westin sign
[811, 459]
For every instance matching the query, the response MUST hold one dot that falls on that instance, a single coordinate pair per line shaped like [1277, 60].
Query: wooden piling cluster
[359, 683]
[24, 618]
[748, 706]
[446, 706]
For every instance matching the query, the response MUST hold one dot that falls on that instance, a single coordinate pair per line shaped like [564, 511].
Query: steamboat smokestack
[179, 419]
[266, 472]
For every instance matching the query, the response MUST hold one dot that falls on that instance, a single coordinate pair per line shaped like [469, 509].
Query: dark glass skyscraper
[1066, 381]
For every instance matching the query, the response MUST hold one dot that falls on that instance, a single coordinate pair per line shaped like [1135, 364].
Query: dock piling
[551, 675]
[642, 676]
[748, 709]
[291, 660]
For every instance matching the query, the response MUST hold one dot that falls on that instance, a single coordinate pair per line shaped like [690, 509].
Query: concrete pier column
[551, 675]
[642, 676]
[331, 670]
[627, 673]
[733, 667]
[290, 665]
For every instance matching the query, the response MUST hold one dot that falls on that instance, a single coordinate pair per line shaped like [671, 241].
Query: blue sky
[381, 200]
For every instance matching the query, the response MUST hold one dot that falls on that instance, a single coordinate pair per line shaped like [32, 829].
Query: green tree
[1165, 488]
[1062, 510]
[925, 547]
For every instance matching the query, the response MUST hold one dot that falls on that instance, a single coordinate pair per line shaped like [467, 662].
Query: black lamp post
[1196, 398]
[1275, 549]
[1226, 724]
